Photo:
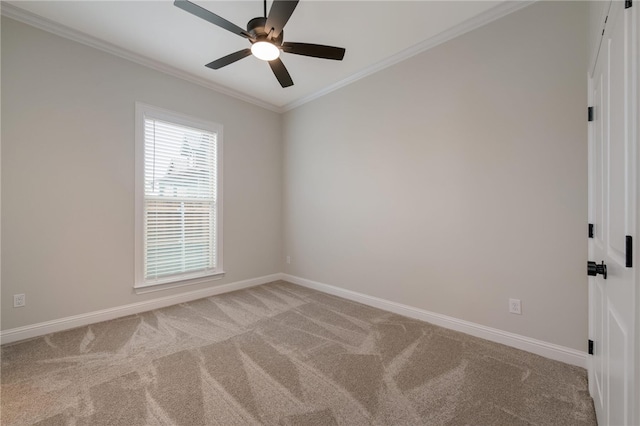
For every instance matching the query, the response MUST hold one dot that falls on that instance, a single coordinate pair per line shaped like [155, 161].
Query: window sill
[150, 288]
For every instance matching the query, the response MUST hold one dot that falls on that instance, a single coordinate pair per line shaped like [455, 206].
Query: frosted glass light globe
[265, 50]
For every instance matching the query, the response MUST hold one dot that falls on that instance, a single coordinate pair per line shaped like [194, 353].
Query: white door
[612, 202]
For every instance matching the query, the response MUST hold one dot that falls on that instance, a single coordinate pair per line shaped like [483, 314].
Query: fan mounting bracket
[257, 31]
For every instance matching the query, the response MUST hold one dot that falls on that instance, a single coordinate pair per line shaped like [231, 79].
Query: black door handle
[594, 269]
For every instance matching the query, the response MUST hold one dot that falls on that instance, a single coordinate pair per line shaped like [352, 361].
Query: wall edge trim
[535, 346]
[67, 323]
[538, 347]
[503, 9]
[499, 11]
[20, 15]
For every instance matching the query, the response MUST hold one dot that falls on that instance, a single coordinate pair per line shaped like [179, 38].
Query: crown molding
[497, 12]
[21, 15]
[484, 18]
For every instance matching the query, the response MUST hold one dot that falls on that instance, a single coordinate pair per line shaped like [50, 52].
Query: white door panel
[597, 302]
[618, 370]
[612, 201]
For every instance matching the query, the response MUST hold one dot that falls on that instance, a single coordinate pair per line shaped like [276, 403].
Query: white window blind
[180, 201]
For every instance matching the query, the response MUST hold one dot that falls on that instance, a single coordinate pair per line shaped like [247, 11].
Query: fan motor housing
[256, 27]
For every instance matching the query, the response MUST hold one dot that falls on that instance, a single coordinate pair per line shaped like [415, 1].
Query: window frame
[143, 111]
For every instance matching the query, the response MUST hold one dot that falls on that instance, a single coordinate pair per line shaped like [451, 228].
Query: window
[178, 197]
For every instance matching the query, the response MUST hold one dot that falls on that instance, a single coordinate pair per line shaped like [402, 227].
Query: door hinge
[590, 347]
[627, 4]
[591, 230]
[629, 252]
[590, 114]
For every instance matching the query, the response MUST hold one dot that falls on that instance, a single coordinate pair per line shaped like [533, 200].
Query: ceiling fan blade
[315, 50]
[279, 14]
[203, 13]
[281, 73]
[229, 59]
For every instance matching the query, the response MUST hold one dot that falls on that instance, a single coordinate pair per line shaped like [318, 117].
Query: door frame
[635, 137]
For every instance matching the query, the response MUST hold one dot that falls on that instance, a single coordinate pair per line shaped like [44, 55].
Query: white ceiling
[374, 33]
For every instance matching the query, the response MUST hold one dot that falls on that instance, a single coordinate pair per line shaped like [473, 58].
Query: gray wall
[454, 180]
[68, 176]
[449, 182]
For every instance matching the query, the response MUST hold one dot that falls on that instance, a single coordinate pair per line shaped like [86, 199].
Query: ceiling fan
[266, 37]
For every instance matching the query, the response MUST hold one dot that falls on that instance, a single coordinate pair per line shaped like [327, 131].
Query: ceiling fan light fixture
[265, 50]
[265, 45]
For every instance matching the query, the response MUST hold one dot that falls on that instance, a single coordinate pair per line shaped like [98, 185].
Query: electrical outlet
[19, 300]
[515, 307]
[288, 259]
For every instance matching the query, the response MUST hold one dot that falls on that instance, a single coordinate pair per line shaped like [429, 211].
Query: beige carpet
[280, 354]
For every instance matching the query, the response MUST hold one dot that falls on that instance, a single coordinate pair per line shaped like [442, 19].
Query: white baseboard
[538, 347]
[40, 329]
